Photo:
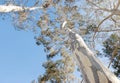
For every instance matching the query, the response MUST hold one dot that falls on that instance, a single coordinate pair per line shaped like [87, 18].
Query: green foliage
[91, 28]
[52, 72]
[58, 71]
[112, 50]
[56, 41]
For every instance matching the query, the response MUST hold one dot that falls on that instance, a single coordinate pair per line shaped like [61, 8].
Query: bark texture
[92, 69]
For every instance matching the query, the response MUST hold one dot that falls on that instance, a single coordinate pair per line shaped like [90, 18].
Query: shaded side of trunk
[92, 69]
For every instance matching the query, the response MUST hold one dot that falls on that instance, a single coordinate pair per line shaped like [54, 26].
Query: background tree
[112, 50]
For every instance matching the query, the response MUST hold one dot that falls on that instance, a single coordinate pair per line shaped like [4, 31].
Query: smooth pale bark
[14, 8]
[93, 70]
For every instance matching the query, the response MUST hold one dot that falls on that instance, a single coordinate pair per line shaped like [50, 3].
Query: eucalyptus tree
[63, 31]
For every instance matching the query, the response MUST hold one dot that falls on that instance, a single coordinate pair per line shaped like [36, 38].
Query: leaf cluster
[112, 50]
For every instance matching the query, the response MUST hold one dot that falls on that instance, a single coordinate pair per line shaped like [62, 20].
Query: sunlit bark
[92, 69]
[14, 8]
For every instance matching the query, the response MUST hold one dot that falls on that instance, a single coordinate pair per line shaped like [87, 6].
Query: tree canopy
[58, 21]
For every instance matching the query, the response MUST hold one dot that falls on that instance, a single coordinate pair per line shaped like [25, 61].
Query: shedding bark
[93, 70]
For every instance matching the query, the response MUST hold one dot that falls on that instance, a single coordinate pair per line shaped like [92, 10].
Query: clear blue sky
[20, 57]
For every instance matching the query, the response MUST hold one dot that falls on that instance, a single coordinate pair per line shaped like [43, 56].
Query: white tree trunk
[14, 8]
[92, 69]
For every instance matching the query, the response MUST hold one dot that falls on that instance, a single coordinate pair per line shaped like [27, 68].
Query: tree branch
[14, 8]
[99, 8]
[103, 30]
[118, 4]
[101, 23]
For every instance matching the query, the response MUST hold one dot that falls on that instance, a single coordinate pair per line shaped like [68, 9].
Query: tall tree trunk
[92, 69]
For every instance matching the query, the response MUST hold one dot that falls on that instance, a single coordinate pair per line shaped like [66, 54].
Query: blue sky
[20, 57]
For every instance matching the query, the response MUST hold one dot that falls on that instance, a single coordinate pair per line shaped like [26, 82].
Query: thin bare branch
[118, 4]
[99, 8]
[104, 30]
[114, 10]
[110, 63]
[100, 24]
[104, 20]
[109, 30]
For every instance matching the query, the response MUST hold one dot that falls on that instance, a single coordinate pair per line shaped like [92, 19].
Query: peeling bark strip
[92, 69]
